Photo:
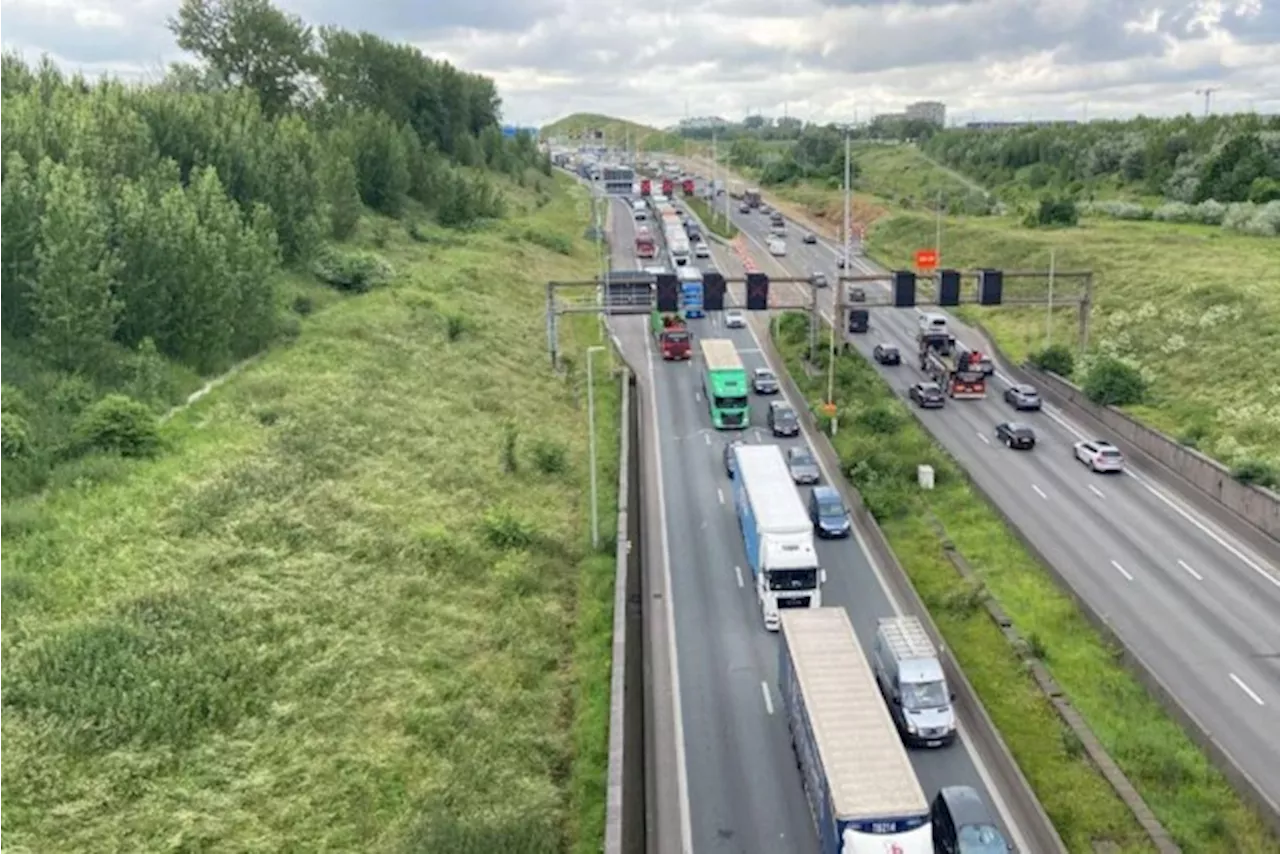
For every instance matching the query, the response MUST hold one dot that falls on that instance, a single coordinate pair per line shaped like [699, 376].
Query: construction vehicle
[672, 334]
[962, 378]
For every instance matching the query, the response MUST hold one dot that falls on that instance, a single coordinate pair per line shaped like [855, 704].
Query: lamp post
[591, 441]
[831, 354]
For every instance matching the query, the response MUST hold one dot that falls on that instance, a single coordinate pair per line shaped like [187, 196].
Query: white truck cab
[911, 678]
[933, 324]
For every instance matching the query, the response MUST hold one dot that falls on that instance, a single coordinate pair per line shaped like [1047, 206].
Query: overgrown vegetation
[353, 606]
[153, 233]
[712, 219]
[611, 131]
[880, 445]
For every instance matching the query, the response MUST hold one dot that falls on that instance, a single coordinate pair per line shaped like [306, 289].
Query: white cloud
[817, 59]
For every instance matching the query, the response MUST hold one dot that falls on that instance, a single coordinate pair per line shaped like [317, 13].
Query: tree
[248, 43]
[75, 313]
[1112, 382]
[342, 193]
[21, 204]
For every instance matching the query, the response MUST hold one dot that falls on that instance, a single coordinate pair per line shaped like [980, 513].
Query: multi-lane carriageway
[1199, 603]
[729, 781]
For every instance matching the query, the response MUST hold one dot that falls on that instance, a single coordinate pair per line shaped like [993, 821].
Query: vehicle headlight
[912, 728]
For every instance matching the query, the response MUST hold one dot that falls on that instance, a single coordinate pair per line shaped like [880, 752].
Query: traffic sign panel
[926, 259]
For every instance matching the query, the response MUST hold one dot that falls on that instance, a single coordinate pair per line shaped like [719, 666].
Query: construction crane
[1208, 94]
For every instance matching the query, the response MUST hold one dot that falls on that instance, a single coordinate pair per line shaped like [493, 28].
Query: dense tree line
[145, 225]
[1231, 158]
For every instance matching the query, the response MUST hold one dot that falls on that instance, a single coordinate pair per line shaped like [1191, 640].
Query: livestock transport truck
[724, 382]
[776, 533]
[863, 793]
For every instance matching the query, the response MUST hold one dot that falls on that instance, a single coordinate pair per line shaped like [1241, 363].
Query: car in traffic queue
[1100, 456]
[1022, 397]
[735, 319]
[887, 354]
[782, 419]
[730, 464]
[777, 247]
[927, 395]
[764, 381]
[830, 517]
[803, 466]
[818, 280]
[701, 250]
[1016, 436]
[810, 238]
[961, 823]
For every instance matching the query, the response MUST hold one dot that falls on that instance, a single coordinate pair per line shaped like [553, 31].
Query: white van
[911, 679]
[777, 246]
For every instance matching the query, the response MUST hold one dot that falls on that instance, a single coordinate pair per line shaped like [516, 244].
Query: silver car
[1100, 456]
[735, 319]
[803, 466]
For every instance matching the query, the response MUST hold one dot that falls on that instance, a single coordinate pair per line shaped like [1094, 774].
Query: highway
[1196, 602]
[737, 767]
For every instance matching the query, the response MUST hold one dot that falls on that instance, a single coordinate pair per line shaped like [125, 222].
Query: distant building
[619, 180]
[703, 123]
[1039, 123]
[928, 111]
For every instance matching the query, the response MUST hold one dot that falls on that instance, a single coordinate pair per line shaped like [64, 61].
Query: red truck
[687, 186]
[673, 335]
[646, 187]
[667, 186]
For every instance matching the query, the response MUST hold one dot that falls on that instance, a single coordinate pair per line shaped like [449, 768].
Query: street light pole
[1048, 321]
[831, 355]
[591, 442]
[937, 232]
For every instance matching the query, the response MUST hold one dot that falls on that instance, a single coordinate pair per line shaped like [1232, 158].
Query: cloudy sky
[823, 60]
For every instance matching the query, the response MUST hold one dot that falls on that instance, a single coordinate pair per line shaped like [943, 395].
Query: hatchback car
[827, 511]
[962, 824]
[855, 294]
[702, 250]
[887, 354]
[764, 381]
[730, 461]
[735, 319]
[803, 466]
[810, 238]
[927, 395]
[818, 280]
[1022, 397]
[744, 208]
[783, 420]
[1016, 436]
[1100, 456]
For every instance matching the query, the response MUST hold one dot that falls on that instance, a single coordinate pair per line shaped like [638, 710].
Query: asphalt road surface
[743, 787]
[1196, 602]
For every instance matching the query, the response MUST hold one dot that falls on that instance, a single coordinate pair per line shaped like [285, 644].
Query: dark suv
[827, 512]
[783, 420]
[962, 824]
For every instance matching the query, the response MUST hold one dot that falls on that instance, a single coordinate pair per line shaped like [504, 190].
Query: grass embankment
[880, 445]
[617, 132]
[354, 606]
[714, 220]
[1190, 304]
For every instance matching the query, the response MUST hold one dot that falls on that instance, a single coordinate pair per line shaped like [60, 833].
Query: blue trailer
[691, 291]
[862, 791]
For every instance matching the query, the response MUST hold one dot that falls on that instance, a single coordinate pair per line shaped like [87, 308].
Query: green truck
[724, 381]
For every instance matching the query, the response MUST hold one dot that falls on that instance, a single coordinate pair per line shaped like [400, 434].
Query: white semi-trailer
[862, 791]
[776, 533]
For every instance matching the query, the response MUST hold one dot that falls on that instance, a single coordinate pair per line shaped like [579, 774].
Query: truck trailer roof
[867, 768]
[771, 491]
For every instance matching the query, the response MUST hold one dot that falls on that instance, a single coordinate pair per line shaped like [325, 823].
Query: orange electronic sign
[926, 259]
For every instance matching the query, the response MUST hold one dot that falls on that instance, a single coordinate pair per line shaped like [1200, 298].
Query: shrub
[118, 424]
[455, 326]
[1175, 212]
[303, 305]
[14, 438]
[510, 449]
[503, 530]
[1112, 382]
[549, 240]
[1056, 358]
[1054, 211]
[358, 272]
[1257, 472]
[880, 419]
[1116, 210]
[550, 457]
[14, 401]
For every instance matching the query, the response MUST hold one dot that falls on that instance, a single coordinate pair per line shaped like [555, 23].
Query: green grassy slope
[616, 131]
[353, 607]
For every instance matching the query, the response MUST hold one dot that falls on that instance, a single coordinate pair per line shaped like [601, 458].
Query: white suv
[1100, 456]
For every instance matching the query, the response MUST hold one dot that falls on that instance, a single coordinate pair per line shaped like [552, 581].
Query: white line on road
[707, 436]
[1122, 570]
[720, 494]
[768, 701]
[1096, 491]
[1197, 576]
[1243, 687]
[737, 573]
[983, 437]
[747, 350]
[1040, 492]
[698, 396]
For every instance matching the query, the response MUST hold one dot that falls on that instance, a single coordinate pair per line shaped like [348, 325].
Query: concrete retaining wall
[1258, 506]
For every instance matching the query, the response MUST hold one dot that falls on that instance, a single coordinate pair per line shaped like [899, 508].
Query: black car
[730, 461]
[1022, 397]
[1016, 435]
[927, 396]
[827, 512]
[887, 354]
[764, 381]
[810, 237]
[855, 294]
[962, 824]
[783, 420]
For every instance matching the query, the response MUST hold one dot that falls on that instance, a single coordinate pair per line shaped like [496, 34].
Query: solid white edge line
[979, 766]
[768, 701]
[737, 573]
[682, 771]
[1197, 576]
[1245, 688]
[720, 494]
[1122, 570]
